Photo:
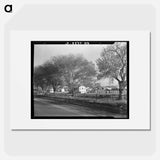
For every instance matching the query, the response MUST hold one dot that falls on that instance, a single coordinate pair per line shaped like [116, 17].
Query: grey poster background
[79, 17]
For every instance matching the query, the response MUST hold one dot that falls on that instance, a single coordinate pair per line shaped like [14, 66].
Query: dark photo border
[33, 43]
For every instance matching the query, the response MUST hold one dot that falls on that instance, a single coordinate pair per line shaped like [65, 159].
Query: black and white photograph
[79, 79]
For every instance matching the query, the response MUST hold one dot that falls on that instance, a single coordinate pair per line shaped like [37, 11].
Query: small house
[82, 89]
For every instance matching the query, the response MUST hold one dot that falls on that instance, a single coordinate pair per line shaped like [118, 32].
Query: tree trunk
[121, 88]
[42, 87]
[54, 88]
[71, 86]
[72, 91]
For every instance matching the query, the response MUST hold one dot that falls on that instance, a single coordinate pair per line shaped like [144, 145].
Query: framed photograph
[80, 79]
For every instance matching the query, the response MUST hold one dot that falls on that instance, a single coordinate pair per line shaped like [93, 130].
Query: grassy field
[92, 101]
[92, 97]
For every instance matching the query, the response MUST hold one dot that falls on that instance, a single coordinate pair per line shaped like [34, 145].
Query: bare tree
[113, 64]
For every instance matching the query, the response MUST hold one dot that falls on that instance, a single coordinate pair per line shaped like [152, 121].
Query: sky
[44, 52]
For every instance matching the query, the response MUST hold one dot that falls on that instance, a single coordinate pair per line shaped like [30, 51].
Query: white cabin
[82, 89]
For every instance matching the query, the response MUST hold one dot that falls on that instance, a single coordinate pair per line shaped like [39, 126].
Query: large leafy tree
[47, 74]
[113, 64]
[70, 70]
[52, 74]
[39, 78]
[76, 70]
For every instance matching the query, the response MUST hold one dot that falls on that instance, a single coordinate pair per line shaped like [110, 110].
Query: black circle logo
[8, 8]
